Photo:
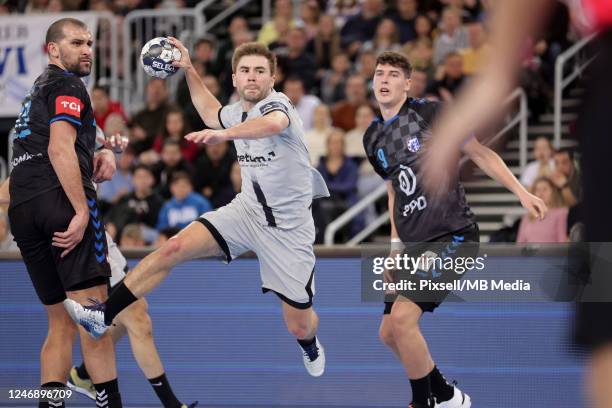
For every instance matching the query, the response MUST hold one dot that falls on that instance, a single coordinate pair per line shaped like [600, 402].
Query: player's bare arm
[64, 160]
[204, 101]
[494, 167]
[259, 128]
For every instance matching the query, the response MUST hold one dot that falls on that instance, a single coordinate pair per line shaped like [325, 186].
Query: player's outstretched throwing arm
[269, 125]
[205, 102]
[494, 167]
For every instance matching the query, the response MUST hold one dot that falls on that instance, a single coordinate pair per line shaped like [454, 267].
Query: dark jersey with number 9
[392, 147]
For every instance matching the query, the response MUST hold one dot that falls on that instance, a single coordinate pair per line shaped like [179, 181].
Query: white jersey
[278, 182]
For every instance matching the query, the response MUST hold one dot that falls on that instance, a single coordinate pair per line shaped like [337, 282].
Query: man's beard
[255, 98]
[76, 68]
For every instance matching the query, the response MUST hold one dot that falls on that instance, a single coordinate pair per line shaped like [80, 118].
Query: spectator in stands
[225, 48]
[172, 161]
[405, 17]
[423, 28]
[353, 140]
[342, 10]
[175, 128]
[361, 27]
[138, 138]
[114, 124]
[305, 104]
[452, 78]
[184, 206]
[366, 67]
[151, 118]
[386, 38]
[326, 43]
[310, 12]
[103, 106]
[110, 192]
[295, 60]
[566, 177]
[283, 27]
[141, 206]
[418, 84]
[341, 175]
[132, 237]
[553, 228]
[476, 54]
[453, 36]
[333, 81]
[316, 138]
[56, 6]
[356, 94]
[7, 243]
[212, 171]
[543, 164]
[283, 11]
[420, 55]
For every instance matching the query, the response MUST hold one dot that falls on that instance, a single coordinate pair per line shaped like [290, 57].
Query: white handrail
[561, 83]
[344, 218]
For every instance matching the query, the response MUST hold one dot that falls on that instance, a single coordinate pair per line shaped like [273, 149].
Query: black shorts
[593, 328]
[33, 224]
[428, 301]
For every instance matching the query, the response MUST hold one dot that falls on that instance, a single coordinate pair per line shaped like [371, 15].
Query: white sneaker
[459, 400]
[314, 359]
[90, 317]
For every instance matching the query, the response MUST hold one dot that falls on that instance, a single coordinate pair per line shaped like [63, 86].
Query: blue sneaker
[90, 317]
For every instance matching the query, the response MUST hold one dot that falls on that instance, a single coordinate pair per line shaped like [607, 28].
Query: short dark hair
[55, 32]
[205, 40]
[253, 48]
[565, 150]
[295, 78]
[180, 175]
[395, 59]
[102, 88]
[144, 167]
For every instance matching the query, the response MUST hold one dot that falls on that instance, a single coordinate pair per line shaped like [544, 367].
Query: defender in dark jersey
[53, 211]
[393, 143]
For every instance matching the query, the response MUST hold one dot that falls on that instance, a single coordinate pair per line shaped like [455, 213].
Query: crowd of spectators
[326, 54]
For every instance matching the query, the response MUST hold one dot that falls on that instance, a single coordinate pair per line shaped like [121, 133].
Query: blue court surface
[225, 344]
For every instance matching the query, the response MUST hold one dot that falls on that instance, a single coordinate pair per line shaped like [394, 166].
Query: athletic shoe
[417, 405]
[192, 405]
[459, 400]
[314, 359]
[90, 317]
[81, 385]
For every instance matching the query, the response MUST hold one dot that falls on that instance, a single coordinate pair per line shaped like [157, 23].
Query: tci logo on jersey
[68, 104]
[413, 144]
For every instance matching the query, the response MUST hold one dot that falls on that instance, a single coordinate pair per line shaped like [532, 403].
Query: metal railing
[519, 118]
[562, 82]
[107, 53]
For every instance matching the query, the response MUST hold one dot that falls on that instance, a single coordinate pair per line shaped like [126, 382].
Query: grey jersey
[278, 182]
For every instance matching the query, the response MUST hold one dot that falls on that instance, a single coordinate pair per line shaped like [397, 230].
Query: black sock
[107, 394]
[441, 389]
[307, 342]
[82, 371]
[421, 390]
[164, 392]
[52, 402]
[120, 298]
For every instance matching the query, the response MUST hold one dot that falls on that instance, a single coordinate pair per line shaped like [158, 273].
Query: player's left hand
[104, 165]
[207, 136]
[534, 205]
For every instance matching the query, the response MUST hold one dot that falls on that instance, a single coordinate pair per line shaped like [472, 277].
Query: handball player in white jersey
[271, 216]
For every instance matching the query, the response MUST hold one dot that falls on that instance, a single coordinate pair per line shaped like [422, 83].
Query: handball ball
[157, 56]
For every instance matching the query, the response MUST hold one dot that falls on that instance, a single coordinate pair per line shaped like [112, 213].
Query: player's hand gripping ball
[157, 56]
